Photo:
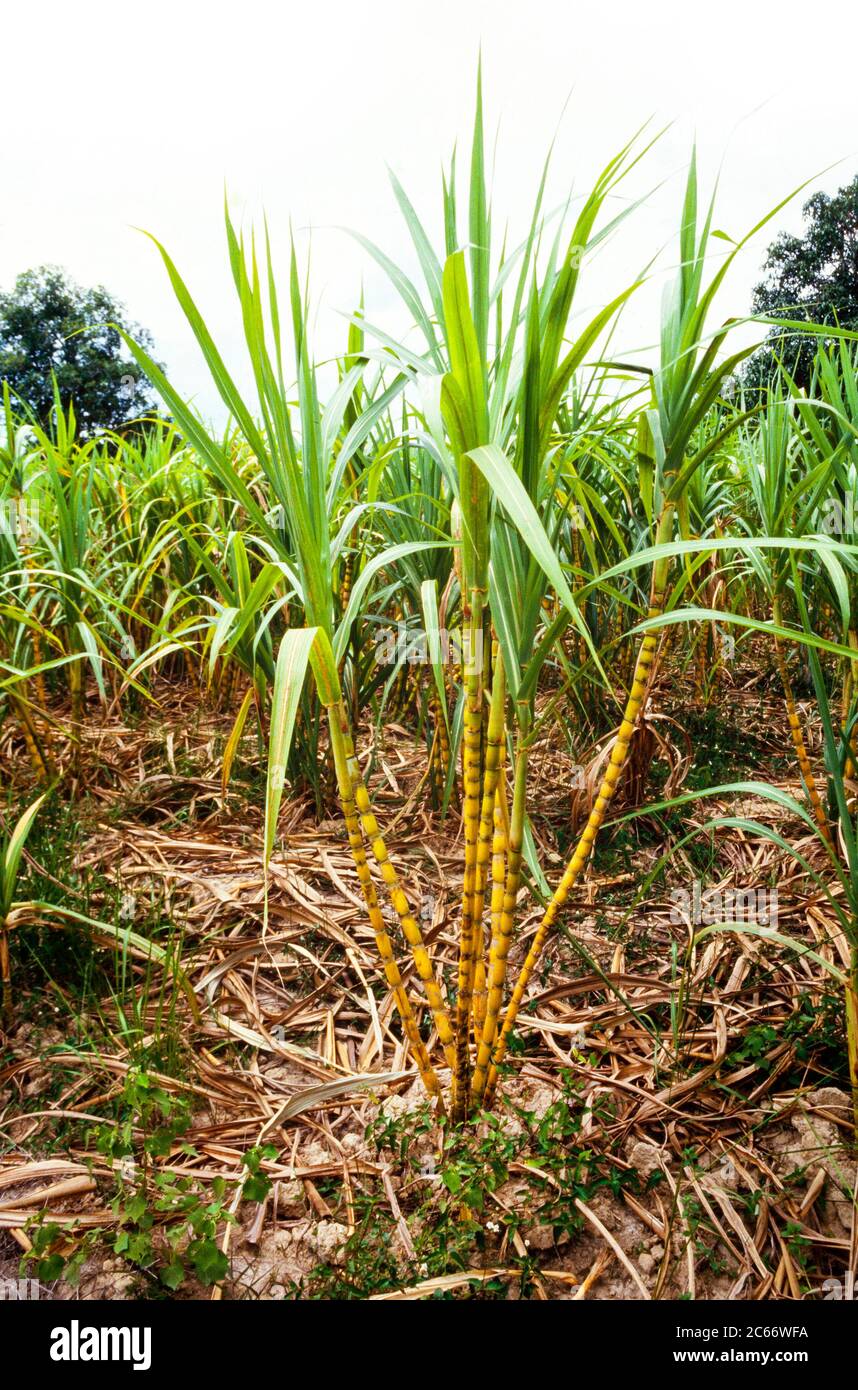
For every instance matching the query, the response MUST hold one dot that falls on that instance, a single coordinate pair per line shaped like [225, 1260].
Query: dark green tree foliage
[812, 277]
[49, 325]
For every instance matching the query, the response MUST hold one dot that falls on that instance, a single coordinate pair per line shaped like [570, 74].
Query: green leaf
[291, 669]
[173, 1274]
[256, 1188]
[210, 1263]
[14, 850]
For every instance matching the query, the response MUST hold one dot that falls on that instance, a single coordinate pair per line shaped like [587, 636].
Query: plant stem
[472, 741]
[501, 943]
[410, 929]
[797, 737]
[619, 756]
[382, 940]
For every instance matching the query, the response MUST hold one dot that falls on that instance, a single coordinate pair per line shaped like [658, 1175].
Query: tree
[51, 327]
[812, 277]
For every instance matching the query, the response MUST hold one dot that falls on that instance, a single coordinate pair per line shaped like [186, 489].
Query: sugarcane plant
[11, 849]
[504, 443]
[684, 387]
[784, 502]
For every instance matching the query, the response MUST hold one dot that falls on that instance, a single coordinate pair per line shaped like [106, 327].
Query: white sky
[118, 116]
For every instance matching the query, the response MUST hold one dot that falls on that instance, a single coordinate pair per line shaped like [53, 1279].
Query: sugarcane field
[429, 693]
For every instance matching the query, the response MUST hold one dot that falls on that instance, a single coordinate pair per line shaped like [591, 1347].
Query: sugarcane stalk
[802, 758]
[494, 745]
[472, 742]
[38, 756]
[851, 1003]
[479, 1001]
[500, 827]
[346, 581]
[436, 774]
[494, 742]
[76, 684]
[619, 756]
[399, 900]
[513, 838]
[5, 974]
[500, 849]
[440, 747]
[495, 737]
[382, 939]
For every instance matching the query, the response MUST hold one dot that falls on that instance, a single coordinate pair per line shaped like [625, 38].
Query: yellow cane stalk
[5, 974]
[513, 838]
[851, 1002]
[441, 744]
[797, 737]
[500, 849]
[436, 771]
[38, 757]
[346, 581]
[478, 1003]
[493, 760]
[494, 757]
[76, 685]
[481, 978]
[410, 929]
[471, 773]
[613, 772]
[382, 940]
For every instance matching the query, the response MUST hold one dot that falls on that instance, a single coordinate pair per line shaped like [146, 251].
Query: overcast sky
[119, 116]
